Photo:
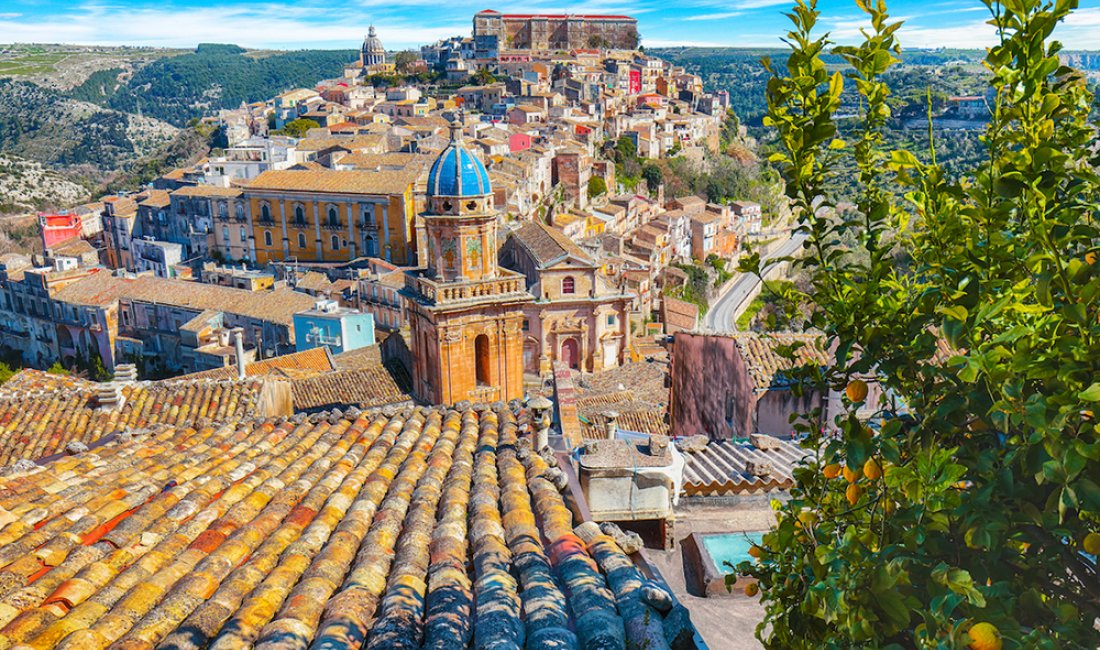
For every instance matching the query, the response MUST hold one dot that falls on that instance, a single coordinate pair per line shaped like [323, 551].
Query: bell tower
[465, 312]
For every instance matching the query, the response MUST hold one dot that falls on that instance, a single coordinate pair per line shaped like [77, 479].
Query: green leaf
[1090, 394]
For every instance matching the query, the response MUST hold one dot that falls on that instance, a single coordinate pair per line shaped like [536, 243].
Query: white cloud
[716, 16]
[274, 26]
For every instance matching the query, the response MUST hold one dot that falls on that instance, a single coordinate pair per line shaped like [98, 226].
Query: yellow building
[332, 216]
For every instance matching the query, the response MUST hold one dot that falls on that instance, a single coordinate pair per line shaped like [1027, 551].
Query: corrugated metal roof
[722, 468]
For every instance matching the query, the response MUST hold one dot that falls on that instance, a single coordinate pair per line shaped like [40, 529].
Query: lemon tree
[964, 517]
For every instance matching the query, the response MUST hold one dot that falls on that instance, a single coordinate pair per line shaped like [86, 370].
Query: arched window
[267, 238]
[335, 243]
[223, 209]
[299, 214]
[244, 235]
[240, 210]
[568, 284]
[301, 240]
[333, 216]
[481, 359]
[265, 212]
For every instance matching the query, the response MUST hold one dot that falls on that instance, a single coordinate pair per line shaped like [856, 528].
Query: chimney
[540, 410]
[238, 343]
[612, 426]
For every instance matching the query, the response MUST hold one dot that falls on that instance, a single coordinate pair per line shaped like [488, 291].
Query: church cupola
[372, 53]
[460, 221]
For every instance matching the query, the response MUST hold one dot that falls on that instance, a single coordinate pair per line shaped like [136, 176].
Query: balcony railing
[451, 292]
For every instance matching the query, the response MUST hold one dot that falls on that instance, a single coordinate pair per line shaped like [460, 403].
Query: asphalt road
[722, 315]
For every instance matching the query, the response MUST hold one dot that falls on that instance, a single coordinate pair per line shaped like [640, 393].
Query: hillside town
[428, 275]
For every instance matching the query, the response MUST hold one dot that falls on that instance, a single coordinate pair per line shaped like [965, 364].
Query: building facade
[332, 216]
[495, 32]
[465, 312]
[329, 324]
[577, 317]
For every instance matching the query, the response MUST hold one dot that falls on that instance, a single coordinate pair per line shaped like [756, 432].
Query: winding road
[722, 315]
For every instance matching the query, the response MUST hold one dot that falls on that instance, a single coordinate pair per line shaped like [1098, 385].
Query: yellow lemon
[831, 470]
[852, 493]
[856, 390]
[871, 469]
[851, 475]
[984, 636]
[755, 551]
[1092, 544]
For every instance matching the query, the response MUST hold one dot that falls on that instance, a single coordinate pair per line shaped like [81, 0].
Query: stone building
[749, 386]
[332, 216]
[372, 52]
[495, 32]
[577, 317]
[465, 312]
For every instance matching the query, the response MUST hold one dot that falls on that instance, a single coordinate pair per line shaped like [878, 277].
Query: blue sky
[407, 23]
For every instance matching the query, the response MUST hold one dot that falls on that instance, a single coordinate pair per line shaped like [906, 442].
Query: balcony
[333, 226]
[441, 292]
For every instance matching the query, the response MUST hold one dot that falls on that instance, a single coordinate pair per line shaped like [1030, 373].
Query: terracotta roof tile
[41, 414]
[363, 529]
[346, 182]
[306, 363]
[766, 366]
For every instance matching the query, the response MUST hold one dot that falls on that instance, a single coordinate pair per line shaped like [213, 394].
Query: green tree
[483, 77]
[652, 175]
[596, 186]
[57, 369]
[403, 60]
[298, 128]
[969, 511]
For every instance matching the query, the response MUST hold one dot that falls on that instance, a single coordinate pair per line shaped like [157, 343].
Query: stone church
[466, 314]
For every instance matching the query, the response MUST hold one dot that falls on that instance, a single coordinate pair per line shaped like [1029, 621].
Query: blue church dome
[457, 172]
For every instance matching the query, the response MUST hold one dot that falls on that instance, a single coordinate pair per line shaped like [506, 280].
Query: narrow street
[722, 315]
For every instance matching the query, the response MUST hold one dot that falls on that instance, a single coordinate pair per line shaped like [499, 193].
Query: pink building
[57, 228]
[519, 142]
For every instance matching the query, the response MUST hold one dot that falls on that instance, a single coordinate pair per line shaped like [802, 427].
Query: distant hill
[112, 117]
[54, 129]
[179, 88]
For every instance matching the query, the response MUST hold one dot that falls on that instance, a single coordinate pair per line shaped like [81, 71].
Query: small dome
[457, 172]
[372, 43]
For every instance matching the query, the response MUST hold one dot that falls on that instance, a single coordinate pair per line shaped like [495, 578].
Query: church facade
[466, 313]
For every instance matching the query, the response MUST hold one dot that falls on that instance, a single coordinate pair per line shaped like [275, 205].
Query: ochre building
[332, 216]
[465, 312]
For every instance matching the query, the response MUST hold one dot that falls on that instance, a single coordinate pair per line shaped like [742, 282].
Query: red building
[57, 228]
[519, 142]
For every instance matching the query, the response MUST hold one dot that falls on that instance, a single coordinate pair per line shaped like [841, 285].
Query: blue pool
[730, 547]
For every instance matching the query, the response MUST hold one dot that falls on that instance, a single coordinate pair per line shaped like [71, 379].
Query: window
[240, 211]
[333, 216]
[225, 233]
[299, 214]
[267, 238]
[301, 240]
[223, 209]
[335, 243]
[481, 359]
[568, 285]
[244, 235]
[611, 320]
[526, 325]
[265, 212]
[125, 318]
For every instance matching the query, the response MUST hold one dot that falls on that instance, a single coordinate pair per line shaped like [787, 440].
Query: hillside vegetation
[213, 77]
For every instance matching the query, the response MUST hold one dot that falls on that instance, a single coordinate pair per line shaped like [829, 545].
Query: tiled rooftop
[766, 366]
[296, 364]
[42, 415]
[364, 387]
[100, 289]
[547, 245]
[426, 528]
[350, 182]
